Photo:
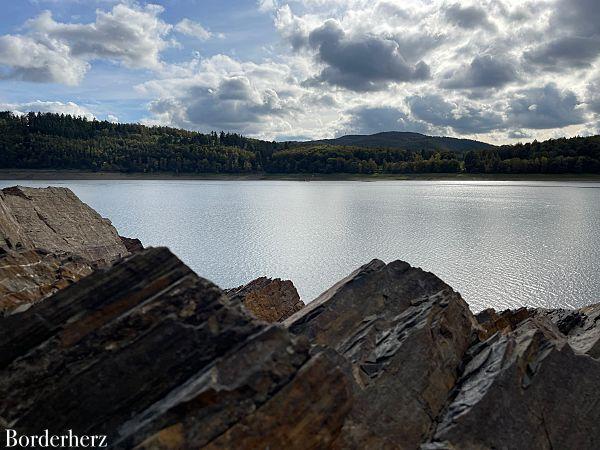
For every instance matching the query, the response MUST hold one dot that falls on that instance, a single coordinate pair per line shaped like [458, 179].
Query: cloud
[565, 53]
[23, 58]
[468, 17]
[370, 120]
[578, 16]
[220, 93]
[575, 34]
[483, 72]
[194, 29]
[52, 51]
[545, 108]
[593, 95]
[70, 108]
[462, 117]
[361, 63]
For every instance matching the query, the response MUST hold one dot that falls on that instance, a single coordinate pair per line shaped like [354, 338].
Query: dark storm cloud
[483, 72]
[545, 108]
[370, 120]
[361, 63]
[468, 17]
[575, 31]
[565, 52]
[437, 111]
[581, 16]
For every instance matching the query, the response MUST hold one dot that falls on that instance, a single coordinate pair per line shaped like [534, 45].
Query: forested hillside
[59, 142]
[405, 141]
[575, 155]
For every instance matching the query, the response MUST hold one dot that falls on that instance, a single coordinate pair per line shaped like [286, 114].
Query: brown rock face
[28, 276]
[404, 332]
[48, 240]
[154, 356]
[55, 220]
[267, 299]
[132, 245]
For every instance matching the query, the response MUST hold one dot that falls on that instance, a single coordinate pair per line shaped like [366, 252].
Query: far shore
[8, 174]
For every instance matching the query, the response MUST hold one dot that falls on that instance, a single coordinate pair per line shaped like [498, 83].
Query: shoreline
[7, 174]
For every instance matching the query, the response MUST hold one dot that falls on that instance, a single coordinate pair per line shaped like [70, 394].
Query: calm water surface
[501, 244]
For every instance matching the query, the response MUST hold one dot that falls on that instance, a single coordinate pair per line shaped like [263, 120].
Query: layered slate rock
[524, 389]
[55, 220]
[404, 332]
[28, 276]
[154, 356]
[267, 299]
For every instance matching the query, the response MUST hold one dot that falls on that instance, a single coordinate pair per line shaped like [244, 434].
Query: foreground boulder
[154, 356]
[404, 332]
[267, 299]
[48, 240]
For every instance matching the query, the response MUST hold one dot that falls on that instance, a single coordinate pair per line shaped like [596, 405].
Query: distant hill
[406, 141]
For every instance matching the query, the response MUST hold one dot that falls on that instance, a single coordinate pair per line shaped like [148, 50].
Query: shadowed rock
[404, 331]
[132, 245]
[154, 356]
[267, 299]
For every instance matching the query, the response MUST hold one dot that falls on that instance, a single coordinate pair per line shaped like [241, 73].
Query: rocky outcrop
[154, 356]
[404, 332]
[48, 240]
[267, 299]
[55, 220]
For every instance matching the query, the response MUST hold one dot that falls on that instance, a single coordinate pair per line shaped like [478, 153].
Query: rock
[55, 220]
[404, 332]
[267, 299]
[523, 389]
[48, 240]
[154, 356]
[492, 322]
[28, 276]
[131, 244]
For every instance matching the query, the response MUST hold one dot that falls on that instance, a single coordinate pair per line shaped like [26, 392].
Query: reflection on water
[501, 244]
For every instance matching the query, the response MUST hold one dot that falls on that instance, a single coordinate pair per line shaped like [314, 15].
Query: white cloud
[52, 51]
[194, 29]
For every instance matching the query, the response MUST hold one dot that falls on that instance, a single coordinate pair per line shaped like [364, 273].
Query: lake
[500, 244]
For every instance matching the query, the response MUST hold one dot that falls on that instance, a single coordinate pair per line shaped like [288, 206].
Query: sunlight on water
[501, 244]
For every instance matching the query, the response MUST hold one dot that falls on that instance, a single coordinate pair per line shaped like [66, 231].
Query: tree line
[59, 142]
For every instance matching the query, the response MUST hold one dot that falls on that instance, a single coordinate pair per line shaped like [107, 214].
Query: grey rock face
[526, 389]
[404, 331]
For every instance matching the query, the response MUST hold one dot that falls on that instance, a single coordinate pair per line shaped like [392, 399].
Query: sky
[500, 71]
